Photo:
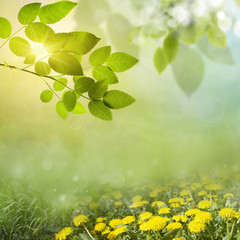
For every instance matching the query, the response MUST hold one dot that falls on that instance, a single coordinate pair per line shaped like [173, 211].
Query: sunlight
[39, 50]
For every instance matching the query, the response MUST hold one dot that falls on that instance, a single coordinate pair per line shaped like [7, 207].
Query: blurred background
[184, 121]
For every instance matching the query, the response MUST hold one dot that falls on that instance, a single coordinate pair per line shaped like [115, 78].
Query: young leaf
[83, 84]
[116, 99]
[65, 63]
[55, 12]
[160, 61]
[189, 34]
[80, 42]
[97, 90]
[79, 109]
[216, 36]
[61, 110]
[171, 46]
[69, 100]
[56, 42]
[42, 68]
[46, 96]
[38, 32]
[30, 59]
[100, 56]
[28, 13]
[5, 28]
[120, 62]
[60, 84]
[20, 47]
[104, 73]
[99, 110]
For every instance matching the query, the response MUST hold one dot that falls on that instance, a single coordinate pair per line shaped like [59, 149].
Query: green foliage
[100, 56]
[160, 60]
[216, 36]
[46, 96]
[65, 51]
[65, 63]
[55, 12]
[120, 62]
[38, 32]
[170, 46]
[5, 28]
[60, 84]
[20, 47]
[116, 99]
[28, 13]
[69, 99]
[100, 110]
[104, 73]
[42, 68]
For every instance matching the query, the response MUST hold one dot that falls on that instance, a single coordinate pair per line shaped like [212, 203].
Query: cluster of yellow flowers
[188, 211]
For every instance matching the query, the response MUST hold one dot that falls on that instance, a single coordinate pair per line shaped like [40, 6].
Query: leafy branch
[64, 52]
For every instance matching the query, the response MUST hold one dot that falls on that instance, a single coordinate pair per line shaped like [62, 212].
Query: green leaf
[104, 73]
[69, 100]
[56, 42]
[60, 84]
[160, 60]
[79, 109]
[65, 63]
[55, 12]
[175, 233]
[46, 96]
[83, 84]
[38, 32]
[20, 47]
[100, 56]
[5, 28]
[216, 36]
[171, 46]
[28, 13]
[120, 62]
[80, 42]
[30, 59]
[116, 99]
[61, 110]
[202, 25]
[42, 68]
[100, 110]
[189, 34]
[97, 90]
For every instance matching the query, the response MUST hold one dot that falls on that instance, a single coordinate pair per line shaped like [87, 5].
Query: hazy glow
[237, 28]
[216, 3]
[182, 15]
[39, 50]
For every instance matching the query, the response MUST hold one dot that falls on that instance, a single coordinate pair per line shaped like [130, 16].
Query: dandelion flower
[228, 195]
[176, 200]
[226, 213]
[196, 226]
[62, 235]
[179, 218]
[128, 220]
[205, 204]
[184, 192]
[174, 225]
[138, 204]
[202, 193]
[180, 238]
[106, 231]
[203, 216]
[164, 210]
[100, 227]
[111, 235]
[157, 223]
[158, 203]
[192, 212]
[117, 204]
[115, 222]
[101, 219]
[195, 186]
[137, 198]
[120, 230]
[213, 187]
[80, 219]
[145, 216]
[93, 206]
[174, 205]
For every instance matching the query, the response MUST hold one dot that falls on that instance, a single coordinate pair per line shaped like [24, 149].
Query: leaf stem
[35, 62]
[89, 234]
[12, 36]
[51, 89]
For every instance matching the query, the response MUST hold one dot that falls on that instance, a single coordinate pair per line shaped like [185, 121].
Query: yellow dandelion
[176, 200]
[189, 200]
[164, 210]
[226, 213]
[111, 235]
[145, 226]
[174, 205]
[202, 193]
[228, 195]
[100, 227]
[101, 219]
[184, 192]
[195, 186]
[180, 238]
[115, 222]
[157, 223]
[128, 220]
[196, 226]
[145, 216]
[62, 235]
[153, 194]
[118, 203]
[179, 218]
[203, 216]
[213, 187]
[106, 231]
[120, 230]
[192, 212]
[158, 203]
[205, 204]
[174, 225]
[138, 204]
[137, 198]
[93, 206]
[80, 219]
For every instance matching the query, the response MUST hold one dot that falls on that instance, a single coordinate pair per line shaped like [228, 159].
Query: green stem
[231, 231]
[49, 77]
[227, 230]
[12, 36]
[52, 89]
[35, 62]
[89, 234]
